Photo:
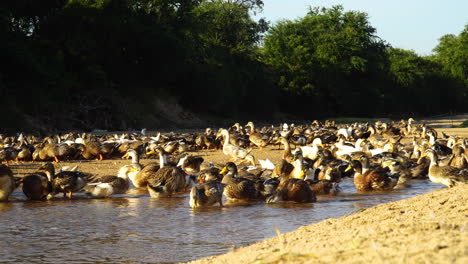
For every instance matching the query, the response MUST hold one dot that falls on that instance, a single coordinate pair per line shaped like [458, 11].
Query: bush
[464, 124]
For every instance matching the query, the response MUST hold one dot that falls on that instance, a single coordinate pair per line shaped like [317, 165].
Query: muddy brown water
[134, 228]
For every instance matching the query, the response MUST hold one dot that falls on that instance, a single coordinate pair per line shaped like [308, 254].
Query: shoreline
[429, 228]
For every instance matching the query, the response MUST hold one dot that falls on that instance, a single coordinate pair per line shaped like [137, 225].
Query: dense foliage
[119, 64]
[338, 66]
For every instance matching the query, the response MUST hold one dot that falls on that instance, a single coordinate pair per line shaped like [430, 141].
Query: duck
[282, 168]
[168, 179]
[139, 179]
[231, 150]
[68, 182]
[256, 137]
[8, 154]
[298, 138]
[38, 186]
[56, 152]
[207, 141]
[311, 152]
[208, 174]
[268, 187]
[206, 194]
[323, 187]
[298, 171]
[439, 148]
[25, 153]
[341, 148]
[235, 187]
[368, 179]
[375, 138]
[420, 168]
[291, 189]
[105, 186]
[125, 145]
[459, 158]
[92, 150]
[446, 175]
[190, 164]
[7, 183]
[287, 155]
[330, 173]
[400, 171]
[171, 146]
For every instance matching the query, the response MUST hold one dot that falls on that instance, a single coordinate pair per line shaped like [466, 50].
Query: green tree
[326, 56]
[452, 54]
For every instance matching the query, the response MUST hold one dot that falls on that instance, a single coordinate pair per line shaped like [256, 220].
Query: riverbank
[430, 228]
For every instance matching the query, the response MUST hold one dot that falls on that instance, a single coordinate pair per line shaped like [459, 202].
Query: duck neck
[228, 178]
[226, 139]
[49, 175]
[298, 172]
[123, 173]
[181, 161]
[434, 160]
[287, 147]
[451, 142]
[365, 165]
[252, 127]
[135, 158]
[162, 160]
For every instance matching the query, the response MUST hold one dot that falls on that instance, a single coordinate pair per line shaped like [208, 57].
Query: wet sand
[430, 228]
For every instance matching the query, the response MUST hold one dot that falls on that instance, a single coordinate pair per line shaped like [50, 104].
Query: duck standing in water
[292, 189]
[38, 185]
[106, 186]
[368, 179]
[238, 188]
[168, 179]
[292, 186]
[206, 194]
[7, 183]
[68, 182]
[446, 175]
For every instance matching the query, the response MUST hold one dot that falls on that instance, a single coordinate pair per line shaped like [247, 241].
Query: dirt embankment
[431, 228]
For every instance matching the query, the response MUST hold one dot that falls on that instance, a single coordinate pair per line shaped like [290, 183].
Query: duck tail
[18, 181]
[158, 188]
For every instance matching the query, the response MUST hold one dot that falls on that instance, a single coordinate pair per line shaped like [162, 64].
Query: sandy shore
[431, 228]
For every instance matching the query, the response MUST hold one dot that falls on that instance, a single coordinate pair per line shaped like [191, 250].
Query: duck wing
[296, 190]
[380, 179]
[171, 179]
[242, 189]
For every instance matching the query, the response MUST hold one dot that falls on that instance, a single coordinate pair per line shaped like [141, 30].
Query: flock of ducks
[315, 158]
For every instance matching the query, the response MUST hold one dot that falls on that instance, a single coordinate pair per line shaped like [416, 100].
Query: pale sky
[409, 24]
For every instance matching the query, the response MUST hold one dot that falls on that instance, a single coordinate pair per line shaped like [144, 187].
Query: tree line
[120, 64]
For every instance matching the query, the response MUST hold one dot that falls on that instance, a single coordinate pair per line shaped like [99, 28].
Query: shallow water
[134, 228]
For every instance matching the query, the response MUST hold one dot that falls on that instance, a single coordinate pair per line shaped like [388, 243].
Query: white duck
[105, 186]
[229, 149]
[311, 152]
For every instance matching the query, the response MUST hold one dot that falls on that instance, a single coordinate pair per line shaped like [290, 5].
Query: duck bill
[348, 168]
[224, 170]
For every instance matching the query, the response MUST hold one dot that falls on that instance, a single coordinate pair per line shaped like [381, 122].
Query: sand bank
[430, 228]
